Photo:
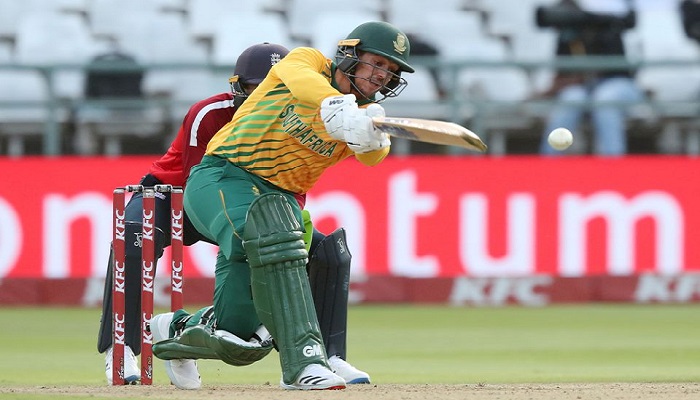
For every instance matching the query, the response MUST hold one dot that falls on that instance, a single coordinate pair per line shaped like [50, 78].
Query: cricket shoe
[315, 377]
[346, 371]
[182, 373]
[132, 372]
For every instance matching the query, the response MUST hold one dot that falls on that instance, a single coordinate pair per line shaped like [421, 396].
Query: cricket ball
[560, 139]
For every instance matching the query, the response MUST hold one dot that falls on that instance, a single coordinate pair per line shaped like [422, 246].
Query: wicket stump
[148, 267]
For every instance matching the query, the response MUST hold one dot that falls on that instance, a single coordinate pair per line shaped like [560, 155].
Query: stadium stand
[302, 15]
[491, 59]
[329, 27]
[108, 117]
[674, 89]
[23, 108]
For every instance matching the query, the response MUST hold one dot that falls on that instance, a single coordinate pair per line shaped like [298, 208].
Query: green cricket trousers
[217, 197]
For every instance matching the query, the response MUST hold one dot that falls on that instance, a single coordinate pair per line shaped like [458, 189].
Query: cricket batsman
[248, 193]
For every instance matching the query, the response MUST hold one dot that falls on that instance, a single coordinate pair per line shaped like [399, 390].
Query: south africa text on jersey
[304, 134]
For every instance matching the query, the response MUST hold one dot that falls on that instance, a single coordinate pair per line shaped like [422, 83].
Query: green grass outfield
[409, 344]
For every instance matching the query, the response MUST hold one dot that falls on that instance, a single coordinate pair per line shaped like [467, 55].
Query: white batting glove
[337, 112]
[345, 121]
[375, 110]
[362, 137]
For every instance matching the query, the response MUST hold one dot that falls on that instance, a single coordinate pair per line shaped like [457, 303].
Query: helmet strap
[239, 95]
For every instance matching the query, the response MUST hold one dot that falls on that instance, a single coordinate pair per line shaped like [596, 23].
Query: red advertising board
[432, 217]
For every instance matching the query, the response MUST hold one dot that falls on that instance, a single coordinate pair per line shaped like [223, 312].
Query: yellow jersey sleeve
[373, 157]
[278, 133]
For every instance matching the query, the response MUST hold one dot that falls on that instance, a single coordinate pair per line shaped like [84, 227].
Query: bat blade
[430, 131]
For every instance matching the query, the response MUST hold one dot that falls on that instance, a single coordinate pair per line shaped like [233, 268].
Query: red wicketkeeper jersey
[201, 122]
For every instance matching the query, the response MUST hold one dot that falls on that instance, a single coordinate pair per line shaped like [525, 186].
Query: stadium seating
[189, 48]
[107, 117]
[329, 27]
[674, 89]
[36, 44]
[250, 28]
[410, 14]
[23, 112]
[303, 15]
[204, 16]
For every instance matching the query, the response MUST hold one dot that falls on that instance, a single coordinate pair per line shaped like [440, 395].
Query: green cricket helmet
[379, 38]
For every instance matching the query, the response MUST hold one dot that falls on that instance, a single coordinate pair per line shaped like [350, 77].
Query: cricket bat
[430, 131]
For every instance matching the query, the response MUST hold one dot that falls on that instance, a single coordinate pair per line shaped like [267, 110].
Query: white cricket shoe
[132, 372]
[346, 371]
[316, 377]
[160, 326]
[182, 373]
